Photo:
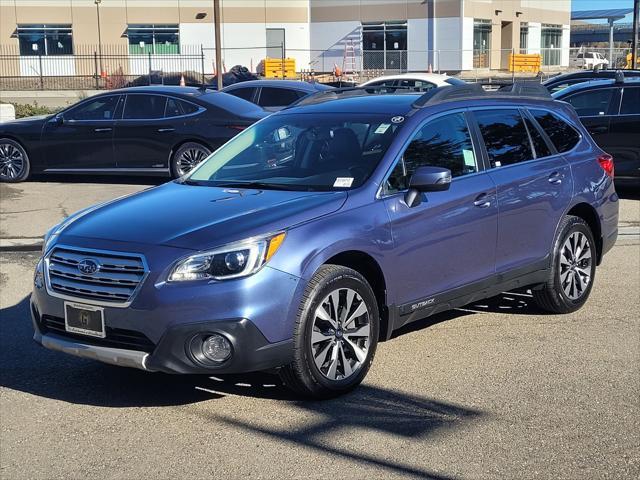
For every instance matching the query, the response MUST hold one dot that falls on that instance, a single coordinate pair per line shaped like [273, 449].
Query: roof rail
[345, 92]
[460, 92]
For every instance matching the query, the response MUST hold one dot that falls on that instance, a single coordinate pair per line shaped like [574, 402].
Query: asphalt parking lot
[493, 390]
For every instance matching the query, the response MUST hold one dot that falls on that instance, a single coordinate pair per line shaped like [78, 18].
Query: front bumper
[256, 314]
[251, 351]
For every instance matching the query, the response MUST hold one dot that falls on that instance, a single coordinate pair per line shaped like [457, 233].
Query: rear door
[624, 137]
[84, 138]
[144, 135]
[534, 186]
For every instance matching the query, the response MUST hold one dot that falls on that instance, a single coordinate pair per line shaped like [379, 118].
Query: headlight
[232, 261]
[50, 238]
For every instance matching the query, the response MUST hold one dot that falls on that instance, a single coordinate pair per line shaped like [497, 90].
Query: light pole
[216, 26]
[634, 40]
[97, 2]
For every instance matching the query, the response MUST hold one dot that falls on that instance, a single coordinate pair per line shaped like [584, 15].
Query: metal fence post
[40, 71]
[95, 65]
[282, 55]
[149, 68]
[202, 63]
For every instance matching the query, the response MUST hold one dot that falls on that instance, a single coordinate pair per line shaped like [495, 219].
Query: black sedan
[610, 110]
[565, 80]
[273, 95]
[141, 130]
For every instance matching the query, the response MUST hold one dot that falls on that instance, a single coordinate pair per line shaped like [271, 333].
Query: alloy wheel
[190, 158]
[341, 334]
[575, 265]
[12, 161]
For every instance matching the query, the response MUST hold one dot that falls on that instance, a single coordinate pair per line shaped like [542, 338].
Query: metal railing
[114, 66]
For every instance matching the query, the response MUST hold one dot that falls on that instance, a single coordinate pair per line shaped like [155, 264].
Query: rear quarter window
[563, 136]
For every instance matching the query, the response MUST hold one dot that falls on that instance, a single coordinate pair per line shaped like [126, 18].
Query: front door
[449, 239]
[534, 188]
[82, 138]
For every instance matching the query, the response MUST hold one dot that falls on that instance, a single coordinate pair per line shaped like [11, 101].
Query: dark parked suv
[610, 109]
[323, 228]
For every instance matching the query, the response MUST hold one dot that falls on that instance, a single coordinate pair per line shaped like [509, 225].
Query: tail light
[606, 162]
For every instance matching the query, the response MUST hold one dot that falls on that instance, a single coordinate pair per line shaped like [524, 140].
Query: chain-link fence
[115, 66]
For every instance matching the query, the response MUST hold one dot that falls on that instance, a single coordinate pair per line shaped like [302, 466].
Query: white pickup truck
[590, 60]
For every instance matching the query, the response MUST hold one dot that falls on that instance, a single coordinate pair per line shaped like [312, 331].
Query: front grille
[116, 337]
[115, 281]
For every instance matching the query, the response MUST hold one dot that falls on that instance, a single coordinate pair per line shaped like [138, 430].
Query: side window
[173, 108]
[188, 107]
[244, 93]
[417, 85]
[539, 145]
[382, 83]
[277, 97]
[102, 108]
[144, 107]
[591, 102]
[562, 135]
[505, 136]
[630, 101]
[443, 142]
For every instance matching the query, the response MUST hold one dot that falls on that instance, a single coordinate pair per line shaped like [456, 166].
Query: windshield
[301, 152]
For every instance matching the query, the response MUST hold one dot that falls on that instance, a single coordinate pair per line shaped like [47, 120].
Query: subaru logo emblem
[88, 266]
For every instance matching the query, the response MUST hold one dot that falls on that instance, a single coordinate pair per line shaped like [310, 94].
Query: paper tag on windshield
[382, 128]
[344, 182]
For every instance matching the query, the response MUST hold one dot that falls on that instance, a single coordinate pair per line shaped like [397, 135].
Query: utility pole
[97, 2]
[216, 24]
[634, 40]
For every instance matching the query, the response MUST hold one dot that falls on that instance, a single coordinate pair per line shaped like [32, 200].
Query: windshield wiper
[262, 185]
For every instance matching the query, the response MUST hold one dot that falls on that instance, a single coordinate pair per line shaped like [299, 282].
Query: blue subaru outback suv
[321, 229]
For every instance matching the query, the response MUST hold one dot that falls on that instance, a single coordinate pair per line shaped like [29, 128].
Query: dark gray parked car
[274, 95]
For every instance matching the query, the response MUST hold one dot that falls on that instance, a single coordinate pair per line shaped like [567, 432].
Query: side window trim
[382, 193]
[88, 100]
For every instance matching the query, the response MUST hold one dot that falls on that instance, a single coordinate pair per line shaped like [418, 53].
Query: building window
[551, 42]
[384, 45]
[156, 39]
[524, 37]
[45, 39]
[481, 43]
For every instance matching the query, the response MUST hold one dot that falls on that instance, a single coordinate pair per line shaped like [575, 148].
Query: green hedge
[31, 109]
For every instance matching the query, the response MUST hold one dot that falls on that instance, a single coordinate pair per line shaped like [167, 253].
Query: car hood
[198, 217]
[23, 120]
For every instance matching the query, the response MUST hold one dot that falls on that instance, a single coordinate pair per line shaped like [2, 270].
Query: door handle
[555, 178]
[98, 130]
[163, 130]
[481, 201]
[599, 129]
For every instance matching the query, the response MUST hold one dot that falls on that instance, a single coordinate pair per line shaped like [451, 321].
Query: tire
[14, 161]
[570, 280]
[339, 358]
[186, 157]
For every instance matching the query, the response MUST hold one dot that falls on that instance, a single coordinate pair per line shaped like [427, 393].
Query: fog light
[216, 348]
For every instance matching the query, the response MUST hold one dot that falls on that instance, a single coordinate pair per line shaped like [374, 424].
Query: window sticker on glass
[382, 128]
[469, 159]
[344, 182]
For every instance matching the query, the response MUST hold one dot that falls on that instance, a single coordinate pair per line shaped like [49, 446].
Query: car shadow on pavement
[368, 408]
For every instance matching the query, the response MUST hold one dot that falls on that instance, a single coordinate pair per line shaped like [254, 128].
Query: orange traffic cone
[182, 82]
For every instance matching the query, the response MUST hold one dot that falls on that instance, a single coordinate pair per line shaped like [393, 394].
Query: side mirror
[426, 179]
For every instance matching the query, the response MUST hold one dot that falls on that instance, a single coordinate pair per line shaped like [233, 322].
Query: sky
[602, 4]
